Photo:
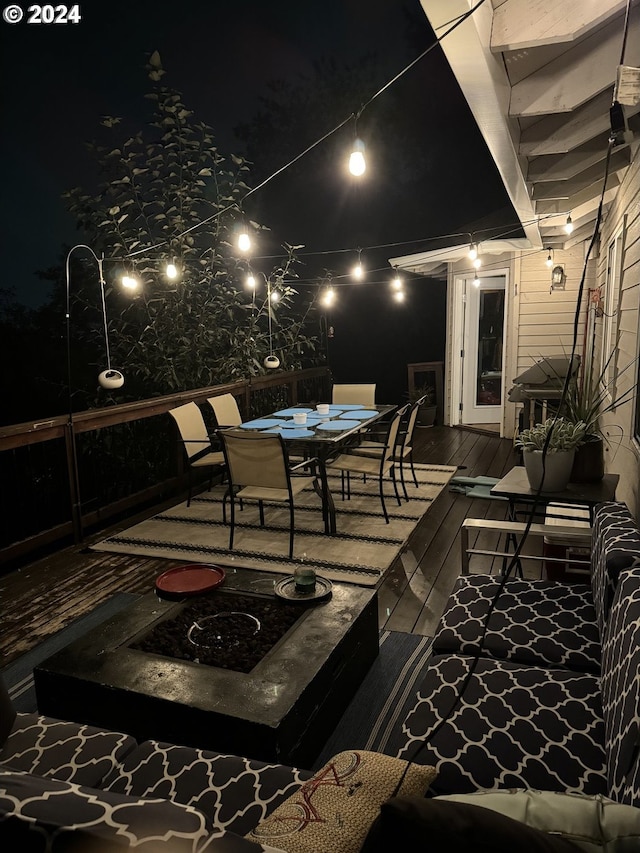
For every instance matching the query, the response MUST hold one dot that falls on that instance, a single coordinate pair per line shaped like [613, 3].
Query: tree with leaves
[169, 195]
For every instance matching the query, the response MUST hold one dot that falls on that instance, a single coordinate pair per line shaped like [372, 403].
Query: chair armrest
[306, 463]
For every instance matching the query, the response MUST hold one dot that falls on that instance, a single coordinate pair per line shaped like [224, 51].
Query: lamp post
[108, 378]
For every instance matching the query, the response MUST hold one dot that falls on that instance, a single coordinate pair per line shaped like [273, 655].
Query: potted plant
[590, 395]
[556, 440]
[428, 409]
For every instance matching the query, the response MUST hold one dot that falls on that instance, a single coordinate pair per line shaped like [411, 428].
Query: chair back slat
[256, 459]
[392, 435]
[413, 417]
[226, 410]
[192, 428]
[363, 395]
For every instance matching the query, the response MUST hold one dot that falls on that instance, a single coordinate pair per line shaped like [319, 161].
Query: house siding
[622, 453]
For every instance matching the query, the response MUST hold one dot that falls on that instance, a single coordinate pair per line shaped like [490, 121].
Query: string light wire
[456, 23]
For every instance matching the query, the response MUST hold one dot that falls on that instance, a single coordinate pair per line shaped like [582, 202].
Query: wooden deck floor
[45, 596]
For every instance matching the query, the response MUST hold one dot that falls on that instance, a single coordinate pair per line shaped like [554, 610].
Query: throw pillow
[595, 824]
[437, 826]
[335, 808]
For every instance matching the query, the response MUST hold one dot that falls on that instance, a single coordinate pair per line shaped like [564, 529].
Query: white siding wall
[622, 456]
[545, 319]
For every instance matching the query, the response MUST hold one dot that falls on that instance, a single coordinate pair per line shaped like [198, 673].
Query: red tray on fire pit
[193, 579]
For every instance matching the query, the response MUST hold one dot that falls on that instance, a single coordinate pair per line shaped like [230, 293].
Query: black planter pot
[588, 463]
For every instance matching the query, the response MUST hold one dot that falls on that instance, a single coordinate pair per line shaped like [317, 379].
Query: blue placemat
[262, 423]
[337, 425]
[293, 432]
[361, 414]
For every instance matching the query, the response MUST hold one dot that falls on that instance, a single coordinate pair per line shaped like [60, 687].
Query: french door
[482, 385]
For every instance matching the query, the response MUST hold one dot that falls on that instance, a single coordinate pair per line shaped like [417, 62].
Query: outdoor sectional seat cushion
[543, 623]
[515, 726]
[235, 793]
[63, 750]
[621, 691]
[40, 814]
[616, 545]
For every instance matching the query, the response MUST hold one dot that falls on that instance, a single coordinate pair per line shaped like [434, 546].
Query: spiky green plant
[590, 394]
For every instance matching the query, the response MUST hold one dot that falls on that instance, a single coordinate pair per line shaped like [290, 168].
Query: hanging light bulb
[473, 251]
[476, 282]
[357, 164]
[477, 263]
[171, 271]
[568, 227]
[244, 241]
[549, 261]
[329, 297]
[130, 282]
[250, 282]
[396, 282]
[399, 295]
[358, 270]
[274, 296]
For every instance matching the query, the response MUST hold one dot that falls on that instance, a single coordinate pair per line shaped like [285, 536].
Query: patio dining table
[323, 435]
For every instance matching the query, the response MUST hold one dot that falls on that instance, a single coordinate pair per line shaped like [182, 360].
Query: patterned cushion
[616, 542]
[621, 690]
[35, 812]
[63, 750]
[235, 793]
[229, 842]
[335, 809]
[515, 726]
[544, 623]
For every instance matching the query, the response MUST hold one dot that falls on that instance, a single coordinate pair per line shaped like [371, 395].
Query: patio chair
[226, 410]
[404, 447]
[196, 441]
[380, 465]
[364, 395]
[259, 469]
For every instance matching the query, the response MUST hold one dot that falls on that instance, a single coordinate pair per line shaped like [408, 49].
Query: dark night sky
[57, 80]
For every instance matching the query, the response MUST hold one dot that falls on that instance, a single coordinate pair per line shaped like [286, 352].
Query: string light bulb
[568, 227]
[473, 251]
[549, 261]
[329, 297]
[476, 282]
[250, 282]
[477, 263]
[130, 282]
[244, 241]
[399, 295]
[357, 163]
[274, 296]
[396, 282]
[358, 270]
[171, 271]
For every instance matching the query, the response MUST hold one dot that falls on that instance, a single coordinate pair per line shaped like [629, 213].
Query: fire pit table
[282, 710]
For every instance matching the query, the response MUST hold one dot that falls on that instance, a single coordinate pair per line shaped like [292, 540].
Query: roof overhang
[434, 263]
[539, 79]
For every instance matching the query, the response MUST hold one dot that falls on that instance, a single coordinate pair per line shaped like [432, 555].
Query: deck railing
[63, 476]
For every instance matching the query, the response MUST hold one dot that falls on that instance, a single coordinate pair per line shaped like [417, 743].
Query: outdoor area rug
[18, 675]
[361, 551]
[384, 698]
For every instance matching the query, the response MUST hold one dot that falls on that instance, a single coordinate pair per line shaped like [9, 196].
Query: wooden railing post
[74, 481]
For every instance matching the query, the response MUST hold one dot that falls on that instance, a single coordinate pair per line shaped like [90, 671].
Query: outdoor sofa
[551, 698]
[544, 742]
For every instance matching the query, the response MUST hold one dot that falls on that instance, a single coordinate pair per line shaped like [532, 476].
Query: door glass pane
[490, 322]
